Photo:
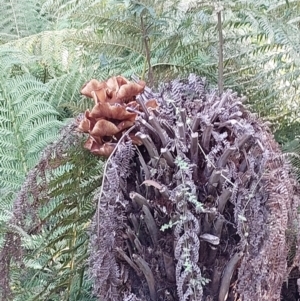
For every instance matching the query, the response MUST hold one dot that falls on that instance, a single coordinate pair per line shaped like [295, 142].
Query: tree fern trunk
[201, 210]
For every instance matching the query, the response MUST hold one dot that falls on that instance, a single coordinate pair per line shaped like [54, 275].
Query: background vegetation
[48, 49]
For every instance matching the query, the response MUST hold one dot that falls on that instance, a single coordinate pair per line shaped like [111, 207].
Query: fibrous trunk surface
[203, 207]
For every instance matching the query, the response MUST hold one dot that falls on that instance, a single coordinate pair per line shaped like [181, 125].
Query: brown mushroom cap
[109, 116]
[92, 85]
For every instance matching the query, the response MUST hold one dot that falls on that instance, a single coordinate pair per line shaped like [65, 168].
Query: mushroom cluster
[115, 110]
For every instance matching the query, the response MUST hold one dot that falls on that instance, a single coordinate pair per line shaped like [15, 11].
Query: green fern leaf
[27, 123]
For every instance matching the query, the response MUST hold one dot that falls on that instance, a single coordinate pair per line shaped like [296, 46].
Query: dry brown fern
[208, 196]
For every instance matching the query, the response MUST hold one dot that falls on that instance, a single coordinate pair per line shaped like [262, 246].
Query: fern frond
[63, 93]
[60, 10]
[55, 245]
[66, 239]
[27, 122]
[52, 50]
[21, 19]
